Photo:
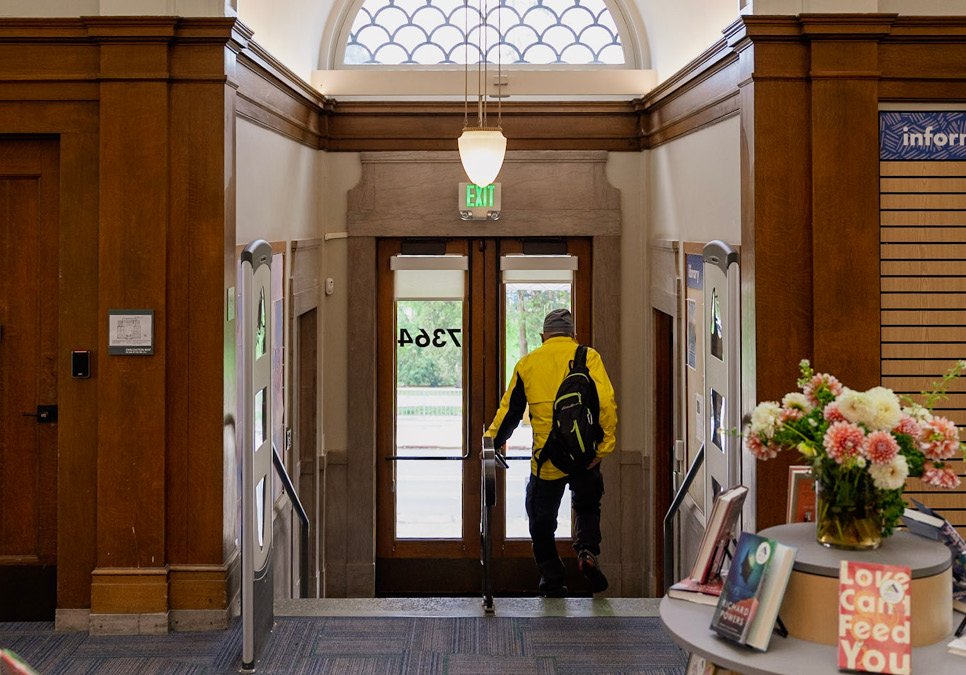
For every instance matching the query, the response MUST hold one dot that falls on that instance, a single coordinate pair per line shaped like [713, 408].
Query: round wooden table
[815, 584]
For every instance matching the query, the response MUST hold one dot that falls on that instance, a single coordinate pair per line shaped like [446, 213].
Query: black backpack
[575, 431]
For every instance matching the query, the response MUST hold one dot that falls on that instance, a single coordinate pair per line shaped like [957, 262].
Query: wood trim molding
[272, 96]
[129, 590]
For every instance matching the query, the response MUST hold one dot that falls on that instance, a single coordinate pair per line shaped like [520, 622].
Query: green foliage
[914, 458]
[938, 392]
[527, 305]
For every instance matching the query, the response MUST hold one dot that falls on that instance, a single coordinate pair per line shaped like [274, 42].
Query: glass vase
[848, 516]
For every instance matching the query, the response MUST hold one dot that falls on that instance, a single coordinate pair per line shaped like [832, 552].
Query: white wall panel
[695, 186]
[291, 30]
[277, 186]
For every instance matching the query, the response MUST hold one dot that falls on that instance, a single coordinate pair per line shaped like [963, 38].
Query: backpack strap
[580, 359]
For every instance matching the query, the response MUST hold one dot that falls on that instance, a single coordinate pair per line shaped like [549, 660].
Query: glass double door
[454, 317]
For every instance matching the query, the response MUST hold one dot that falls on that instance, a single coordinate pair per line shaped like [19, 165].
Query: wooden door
[28, 378]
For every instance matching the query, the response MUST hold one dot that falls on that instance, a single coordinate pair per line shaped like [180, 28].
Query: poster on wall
[922, 135]
[692, 333]
[699, 417]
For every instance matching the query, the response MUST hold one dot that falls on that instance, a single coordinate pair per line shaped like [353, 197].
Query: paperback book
[957, 646]
[690, 590]
[874, 618]
[718, 534]
[925, 522]
[753, 592]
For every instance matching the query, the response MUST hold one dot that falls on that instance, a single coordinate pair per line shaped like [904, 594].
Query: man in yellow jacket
[536, 378]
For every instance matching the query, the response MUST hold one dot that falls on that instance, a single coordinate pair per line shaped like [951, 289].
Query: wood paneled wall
[923, 296]
[143, 109]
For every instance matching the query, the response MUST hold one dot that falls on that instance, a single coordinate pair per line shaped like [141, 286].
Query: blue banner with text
[922, 135]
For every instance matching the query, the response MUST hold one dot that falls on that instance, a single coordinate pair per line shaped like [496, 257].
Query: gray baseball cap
[559, 321]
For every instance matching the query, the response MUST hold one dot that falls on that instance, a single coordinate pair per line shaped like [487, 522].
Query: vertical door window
[429, 296]
[532, 287]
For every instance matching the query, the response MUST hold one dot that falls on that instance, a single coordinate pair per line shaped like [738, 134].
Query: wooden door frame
[455, 562]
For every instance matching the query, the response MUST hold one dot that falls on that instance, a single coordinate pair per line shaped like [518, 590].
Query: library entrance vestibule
[453, 318]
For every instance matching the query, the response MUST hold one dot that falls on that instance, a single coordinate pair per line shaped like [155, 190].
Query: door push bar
[394, 458]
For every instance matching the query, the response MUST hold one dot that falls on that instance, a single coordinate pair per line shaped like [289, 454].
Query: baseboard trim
[72, 620]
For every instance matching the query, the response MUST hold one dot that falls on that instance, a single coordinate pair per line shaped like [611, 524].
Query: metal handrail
[669, 518]
[303, 517]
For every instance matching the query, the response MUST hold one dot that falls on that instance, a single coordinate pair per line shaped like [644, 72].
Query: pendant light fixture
[482, 147]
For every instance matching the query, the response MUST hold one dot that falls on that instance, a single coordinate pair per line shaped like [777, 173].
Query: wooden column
[776, 256]
[200, 377]
[845, 195]
[130, 577]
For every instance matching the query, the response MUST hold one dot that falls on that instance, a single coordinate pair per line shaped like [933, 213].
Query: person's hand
[594, 462]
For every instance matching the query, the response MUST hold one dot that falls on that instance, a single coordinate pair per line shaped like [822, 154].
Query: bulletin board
[692, 314]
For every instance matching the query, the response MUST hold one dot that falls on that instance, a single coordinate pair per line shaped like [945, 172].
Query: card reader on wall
[80, 363]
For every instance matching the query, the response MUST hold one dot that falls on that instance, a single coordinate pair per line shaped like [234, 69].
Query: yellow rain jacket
[536, 378]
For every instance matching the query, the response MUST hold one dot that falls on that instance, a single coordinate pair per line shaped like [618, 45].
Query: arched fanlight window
[447, 32]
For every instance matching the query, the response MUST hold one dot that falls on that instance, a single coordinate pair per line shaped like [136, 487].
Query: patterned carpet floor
[368, 646]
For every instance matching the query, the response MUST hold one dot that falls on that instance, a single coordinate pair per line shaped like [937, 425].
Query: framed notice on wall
[130, 332]
[801, 495]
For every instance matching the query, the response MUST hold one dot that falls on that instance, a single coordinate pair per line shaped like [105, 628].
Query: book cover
[738, 603]
[690, 590]
[718, 533]
[928, 523]
[874, 618]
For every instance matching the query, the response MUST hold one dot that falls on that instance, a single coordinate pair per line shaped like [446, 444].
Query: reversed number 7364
[423, 338]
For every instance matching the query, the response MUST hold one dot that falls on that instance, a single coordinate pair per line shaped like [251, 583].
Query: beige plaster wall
[63, 8]
[340, 173]
[627, 171]
[291, 30]
[695, 186]
[277, 186]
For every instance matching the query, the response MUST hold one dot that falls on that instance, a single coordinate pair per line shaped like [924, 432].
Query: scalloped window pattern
[448, 32]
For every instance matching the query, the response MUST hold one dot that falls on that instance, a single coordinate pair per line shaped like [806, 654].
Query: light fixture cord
[466, 64]
[481, 71]
[499, 64]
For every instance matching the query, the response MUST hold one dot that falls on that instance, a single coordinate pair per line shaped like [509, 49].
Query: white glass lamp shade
[482, 151]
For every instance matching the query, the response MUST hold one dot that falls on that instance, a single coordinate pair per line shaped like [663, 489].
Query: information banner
[922, 135]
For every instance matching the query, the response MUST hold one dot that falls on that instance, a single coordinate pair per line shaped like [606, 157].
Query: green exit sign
[479, 203]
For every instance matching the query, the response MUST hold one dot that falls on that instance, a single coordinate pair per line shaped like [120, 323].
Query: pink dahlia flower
[940, 477]
[843, 441]
[910, 427]
[833, 414]
[881, 447]
[939, 439]
[788, 414]
[812, 386]
[758, 449]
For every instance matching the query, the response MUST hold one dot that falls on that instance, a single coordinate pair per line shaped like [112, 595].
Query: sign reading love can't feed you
[922, 135]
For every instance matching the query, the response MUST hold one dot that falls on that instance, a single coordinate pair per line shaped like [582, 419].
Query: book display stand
[815, 609]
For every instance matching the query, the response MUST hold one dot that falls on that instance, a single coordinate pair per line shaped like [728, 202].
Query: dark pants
[543, 502]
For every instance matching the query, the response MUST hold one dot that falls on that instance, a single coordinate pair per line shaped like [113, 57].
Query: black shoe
[587, 563]
[552, 590]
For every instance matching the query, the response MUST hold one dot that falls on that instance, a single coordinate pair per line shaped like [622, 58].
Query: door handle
[46, 414]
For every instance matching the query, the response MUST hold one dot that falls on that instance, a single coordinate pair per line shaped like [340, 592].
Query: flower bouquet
[861, 447]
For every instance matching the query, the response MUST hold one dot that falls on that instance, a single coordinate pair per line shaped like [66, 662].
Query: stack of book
[753, 592]
[925, 522]
[703, 584]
